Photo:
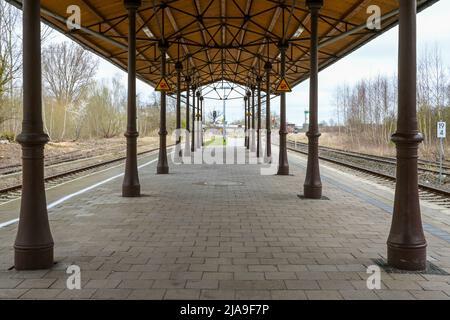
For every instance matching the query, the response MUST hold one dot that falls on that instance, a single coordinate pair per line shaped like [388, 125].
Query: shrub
[8, 136]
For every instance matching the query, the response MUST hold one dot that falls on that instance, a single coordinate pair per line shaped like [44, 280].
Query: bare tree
[10, 61]
[369, 108]
[103, 117]
[214, 116]
[67, 71]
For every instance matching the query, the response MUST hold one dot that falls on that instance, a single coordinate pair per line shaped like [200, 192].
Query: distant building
[290, 127]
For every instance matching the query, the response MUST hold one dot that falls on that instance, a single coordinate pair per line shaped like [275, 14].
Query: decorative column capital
[132, 4]
[178, 66]
[314, 4]
[163, 45]
[283, 46]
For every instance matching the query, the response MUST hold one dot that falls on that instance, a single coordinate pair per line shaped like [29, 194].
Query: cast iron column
[187, 147]
[249, 127]
[131, 186]
[201, 120]
[268, 68]
[245, 120]
[163, 166]
[406, 245]
[197, 120]
[178, 68]
[194, 125]
[283, 164]
[253, 138]
[33, 248]
[258, 132]
[312, 188]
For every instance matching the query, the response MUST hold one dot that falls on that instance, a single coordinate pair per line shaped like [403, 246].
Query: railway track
[427, 192]
[13, 192]
[71, 156]
[424, 165]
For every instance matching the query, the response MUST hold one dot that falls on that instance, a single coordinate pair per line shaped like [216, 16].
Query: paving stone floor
[219, 232]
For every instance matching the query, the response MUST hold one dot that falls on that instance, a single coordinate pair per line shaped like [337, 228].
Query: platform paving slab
[225, 232]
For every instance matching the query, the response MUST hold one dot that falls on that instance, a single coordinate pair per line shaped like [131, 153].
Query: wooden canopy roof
[221, 39]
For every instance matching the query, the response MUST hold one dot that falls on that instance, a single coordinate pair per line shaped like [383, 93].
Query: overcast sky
[377, 57]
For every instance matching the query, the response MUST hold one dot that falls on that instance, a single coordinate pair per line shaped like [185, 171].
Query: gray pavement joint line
[72, 195]
[437, 232]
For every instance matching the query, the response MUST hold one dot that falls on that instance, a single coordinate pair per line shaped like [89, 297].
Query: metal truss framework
[222, 39]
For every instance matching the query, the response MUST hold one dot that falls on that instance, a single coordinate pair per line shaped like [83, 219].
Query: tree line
[76, 105]
[366, 112]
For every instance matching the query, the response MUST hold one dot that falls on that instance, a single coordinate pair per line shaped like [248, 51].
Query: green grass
[215, 141]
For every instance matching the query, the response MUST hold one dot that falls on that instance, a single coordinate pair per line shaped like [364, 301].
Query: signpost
[441, 134]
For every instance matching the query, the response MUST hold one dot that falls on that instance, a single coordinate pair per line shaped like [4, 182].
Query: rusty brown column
[249, 126]
[33, 248]
[245, 120]
[179, 69]
[253, 125]
[268, 153]
[187, 147]
[131, 186]
[201, 121]
[406, 245]
[197, 134]
[312, 187]
[163, 166]
[258, 131]
[283, 164]
[193, 147]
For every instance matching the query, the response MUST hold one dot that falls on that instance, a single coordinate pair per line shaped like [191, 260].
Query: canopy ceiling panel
[222, 39]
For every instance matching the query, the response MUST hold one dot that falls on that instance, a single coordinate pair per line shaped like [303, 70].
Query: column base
[131, 191]
[162, 170]
[312, 192]
[283, 171]
[404, 258]
[33, 258]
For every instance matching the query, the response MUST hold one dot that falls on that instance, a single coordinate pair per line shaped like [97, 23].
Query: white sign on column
[441, 134]
[441, 130]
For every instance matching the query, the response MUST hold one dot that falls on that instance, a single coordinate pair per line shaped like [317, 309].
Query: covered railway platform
[223, 231]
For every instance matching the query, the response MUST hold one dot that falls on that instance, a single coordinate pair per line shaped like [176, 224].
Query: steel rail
[387, 160]
[422, 186]
[78, 170]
